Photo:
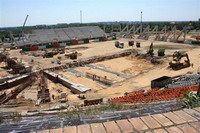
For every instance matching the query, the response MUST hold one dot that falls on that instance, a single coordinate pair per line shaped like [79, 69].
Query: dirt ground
[4, 72]
[140, 70]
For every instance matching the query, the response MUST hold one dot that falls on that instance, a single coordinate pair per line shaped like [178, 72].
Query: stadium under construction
[85, 66]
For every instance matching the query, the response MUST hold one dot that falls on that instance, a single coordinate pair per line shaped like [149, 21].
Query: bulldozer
[177, 63]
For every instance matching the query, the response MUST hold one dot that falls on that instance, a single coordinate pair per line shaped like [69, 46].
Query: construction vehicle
[22, 31]
[119, 44]
[61, 50]
[130, 43]
[72, 55]
[176, 63]
[138, 44]
[48, 54]
[150, 51]
[161, 52]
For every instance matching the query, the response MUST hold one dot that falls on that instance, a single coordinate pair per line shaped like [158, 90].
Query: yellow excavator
[177, 62]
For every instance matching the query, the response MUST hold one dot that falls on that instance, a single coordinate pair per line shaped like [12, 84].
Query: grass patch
[191, 100]
[169, 47]
[95, 110]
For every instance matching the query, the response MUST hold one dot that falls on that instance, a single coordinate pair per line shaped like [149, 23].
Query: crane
[22, 31]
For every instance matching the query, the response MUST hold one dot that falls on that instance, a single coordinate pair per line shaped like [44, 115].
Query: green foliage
[191, 100]
[4, 34]
[94, 110]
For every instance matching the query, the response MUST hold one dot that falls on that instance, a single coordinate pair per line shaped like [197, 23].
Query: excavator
[176, 63]
[150, 50]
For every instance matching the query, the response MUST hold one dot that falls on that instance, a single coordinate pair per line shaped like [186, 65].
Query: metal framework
[165, 34]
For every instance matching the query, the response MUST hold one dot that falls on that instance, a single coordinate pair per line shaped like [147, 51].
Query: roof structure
[61, 34]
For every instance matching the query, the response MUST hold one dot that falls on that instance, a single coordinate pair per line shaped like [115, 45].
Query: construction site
[84, 66]
[85, 63]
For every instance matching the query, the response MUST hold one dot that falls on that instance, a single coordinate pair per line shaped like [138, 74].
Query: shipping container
[180, 41]
[161, 82]
[187, 42]
[198, 38]
[63, 45]
[96, 40]
[42, 47]
[68, 43]
[74, 42]
[34, 48]
[101, 39]
[56, 45]
[86, 41]
[49, 46]
[114, 38]
[25, 49]
[80, 42]
[195, 42]
[110, 38]
[105, 39]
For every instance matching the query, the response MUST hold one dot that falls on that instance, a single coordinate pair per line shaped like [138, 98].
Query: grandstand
[61, 35]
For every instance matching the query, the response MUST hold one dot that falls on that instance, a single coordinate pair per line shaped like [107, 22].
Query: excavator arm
[186, 55]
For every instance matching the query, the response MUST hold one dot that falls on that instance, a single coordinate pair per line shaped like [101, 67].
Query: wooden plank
[185, 116]
[84, 129]
[174, 118]
[138, 124]
[125, 126]
[111, 127]
[72, 129]
[162, 120]
[173, 130]
[187, 128]
[150, 122]
[193, 113]
[97, 128]
[196, 125]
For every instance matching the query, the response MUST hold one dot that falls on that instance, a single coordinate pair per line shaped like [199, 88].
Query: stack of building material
[75, 88]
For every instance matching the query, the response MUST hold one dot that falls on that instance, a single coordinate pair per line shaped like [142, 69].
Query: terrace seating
[153, 95]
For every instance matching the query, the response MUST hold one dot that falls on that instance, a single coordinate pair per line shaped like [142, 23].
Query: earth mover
[177, 63]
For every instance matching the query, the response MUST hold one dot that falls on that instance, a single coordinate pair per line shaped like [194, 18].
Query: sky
[13, 12]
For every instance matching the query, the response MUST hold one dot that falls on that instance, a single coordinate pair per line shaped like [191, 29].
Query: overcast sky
[13, 12]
